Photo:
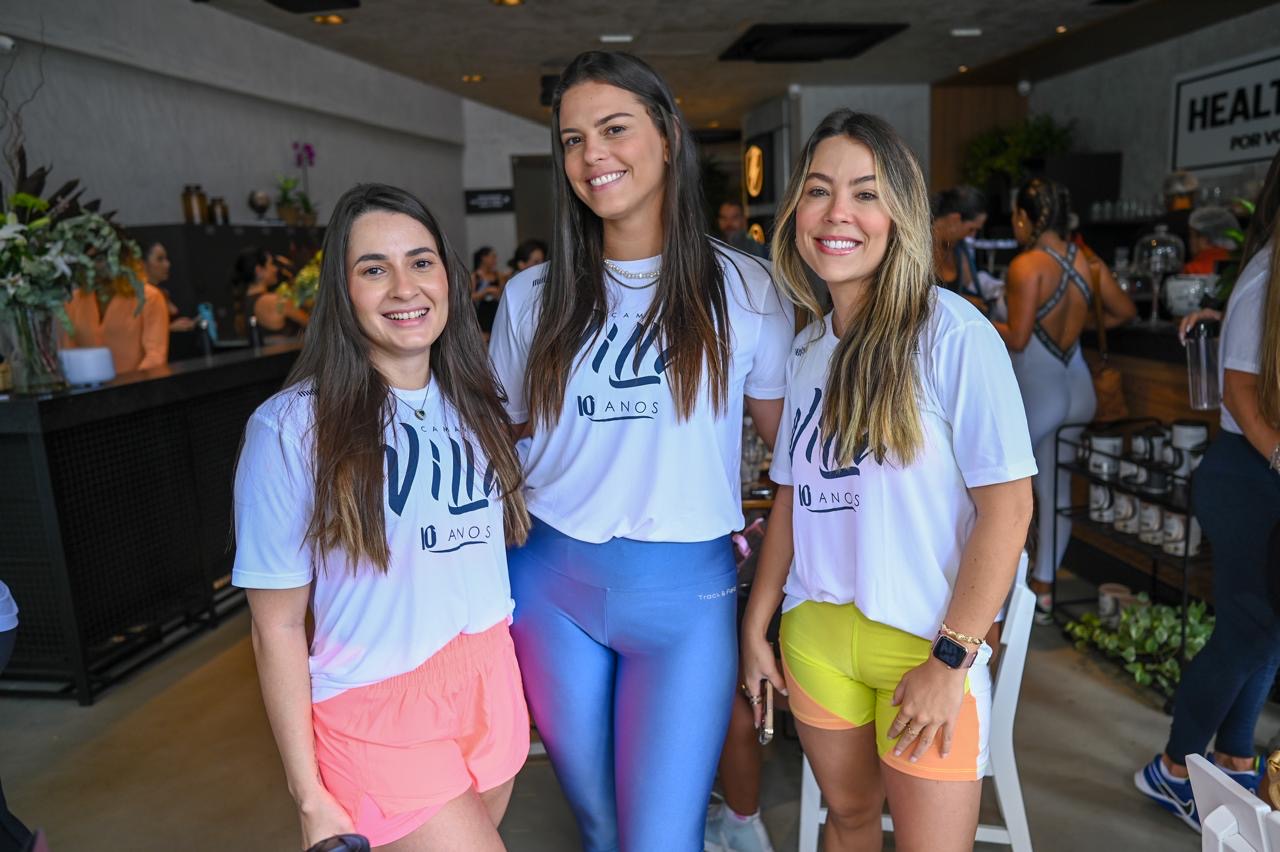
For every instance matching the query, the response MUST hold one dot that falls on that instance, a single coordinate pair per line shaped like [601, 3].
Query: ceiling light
[967, 32]
[473, 78]
[964, 69]
[1060, 29]
[508, 2]
[328, 20]
[617, 38]
[713, 124]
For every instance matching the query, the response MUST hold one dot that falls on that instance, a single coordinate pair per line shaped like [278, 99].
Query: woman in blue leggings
[1235, 494]
[630, 357]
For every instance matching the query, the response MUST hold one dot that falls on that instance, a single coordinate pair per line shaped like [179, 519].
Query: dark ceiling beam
[1142, 26]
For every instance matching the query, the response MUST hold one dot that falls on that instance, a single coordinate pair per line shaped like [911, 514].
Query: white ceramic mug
[1150, 523]
[1104, 455]
[1180, 538]
[1101, 503]
[1124, 508]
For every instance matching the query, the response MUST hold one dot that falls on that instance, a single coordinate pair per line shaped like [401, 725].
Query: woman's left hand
[928, 699]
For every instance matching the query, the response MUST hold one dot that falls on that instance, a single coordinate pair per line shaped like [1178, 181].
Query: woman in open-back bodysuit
[1050, 299]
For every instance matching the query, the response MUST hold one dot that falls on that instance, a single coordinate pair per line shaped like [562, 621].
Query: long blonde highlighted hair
[1269, 372]
[873, 388]
[1264, 227]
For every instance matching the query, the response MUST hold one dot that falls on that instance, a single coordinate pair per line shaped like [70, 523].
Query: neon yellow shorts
[842, 669]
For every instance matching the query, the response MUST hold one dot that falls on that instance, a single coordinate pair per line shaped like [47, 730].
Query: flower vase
[29, 342]
[290, 214]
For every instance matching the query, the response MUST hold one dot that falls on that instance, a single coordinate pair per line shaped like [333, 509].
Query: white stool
[1230, 816]
[1003, 768]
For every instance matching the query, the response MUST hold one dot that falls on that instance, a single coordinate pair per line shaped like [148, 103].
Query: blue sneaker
[1250, 779]
[1172, 794]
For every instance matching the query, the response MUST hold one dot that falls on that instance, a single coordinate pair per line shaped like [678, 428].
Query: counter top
[142, 389]
[1157, 342]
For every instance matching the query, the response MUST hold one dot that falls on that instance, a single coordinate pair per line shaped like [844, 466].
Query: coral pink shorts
[394, 753]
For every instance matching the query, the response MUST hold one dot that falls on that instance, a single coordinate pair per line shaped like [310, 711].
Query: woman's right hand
[1194, 317]
[758, 663]
[322, 817]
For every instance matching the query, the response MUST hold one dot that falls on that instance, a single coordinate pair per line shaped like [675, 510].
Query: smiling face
[399, 290]
[615, 158]
[842, 226]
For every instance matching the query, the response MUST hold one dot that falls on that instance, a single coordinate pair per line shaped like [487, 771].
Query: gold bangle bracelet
[959, 637]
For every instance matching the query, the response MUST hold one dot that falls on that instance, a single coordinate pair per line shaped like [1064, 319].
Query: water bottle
[1202, 366]
[206, 344]
[255, 334]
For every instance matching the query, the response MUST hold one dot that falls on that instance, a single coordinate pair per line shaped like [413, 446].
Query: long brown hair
[689, 307]
[352, 402]
[873, 390]
[1269, 354]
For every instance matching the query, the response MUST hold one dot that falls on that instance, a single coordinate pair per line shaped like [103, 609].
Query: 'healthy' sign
[1228, 115]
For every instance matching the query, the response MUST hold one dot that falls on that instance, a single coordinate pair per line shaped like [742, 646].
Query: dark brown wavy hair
[689, 308]
[352, 401]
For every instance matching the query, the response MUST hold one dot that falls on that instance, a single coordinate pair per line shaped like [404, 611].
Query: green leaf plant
[1146, 640]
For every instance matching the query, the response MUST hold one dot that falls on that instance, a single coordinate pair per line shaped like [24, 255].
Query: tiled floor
[180, 758]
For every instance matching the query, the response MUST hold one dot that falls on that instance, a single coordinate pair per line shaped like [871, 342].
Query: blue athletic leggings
[1236, 497]
[629, 655]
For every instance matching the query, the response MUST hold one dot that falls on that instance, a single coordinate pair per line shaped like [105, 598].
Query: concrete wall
[493, 137]
[141, 97]
[906, 107]
[1125, 104]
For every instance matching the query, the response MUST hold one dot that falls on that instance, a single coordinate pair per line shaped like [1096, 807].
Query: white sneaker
[727, 832]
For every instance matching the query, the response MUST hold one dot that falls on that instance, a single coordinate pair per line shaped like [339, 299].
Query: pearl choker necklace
[634, 276]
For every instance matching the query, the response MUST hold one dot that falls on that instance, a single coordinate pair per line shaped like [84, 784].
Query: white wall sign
[1227, 115]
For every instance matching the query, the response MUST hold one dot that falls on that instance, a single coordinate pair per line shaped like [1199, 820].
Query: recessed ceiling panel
[807, 42]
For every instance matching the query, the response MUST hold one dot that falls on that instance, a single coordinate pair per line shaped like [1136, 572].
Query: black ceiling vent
[314, 7]
[807, 42]
[1113, 2]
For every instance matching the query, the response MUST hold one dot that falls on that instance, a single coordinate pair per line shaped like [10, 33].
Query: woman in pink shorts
[378, 491]
[903, 466]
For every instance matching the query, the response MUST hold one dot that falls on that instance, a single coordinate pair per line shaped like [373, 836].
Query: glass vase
[29, 341]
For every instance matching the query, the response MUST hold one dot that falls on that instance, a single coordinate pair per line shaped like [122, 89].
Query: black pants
[14, 836]
[1236, 497]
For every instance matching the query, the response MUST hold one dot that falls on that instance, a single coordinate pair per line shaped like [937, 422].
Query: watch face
[950, 652]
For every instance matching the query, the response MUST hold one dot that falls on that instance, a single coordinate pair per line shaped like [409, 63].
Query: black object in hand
[342, 843]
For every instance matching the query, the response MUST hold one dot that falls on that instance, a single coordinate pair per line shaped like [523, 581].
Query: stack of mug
[1159, 464]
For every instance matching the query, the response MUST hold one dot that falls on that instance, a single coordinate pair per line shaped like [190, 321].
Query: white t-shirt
[885, 537]
[1241, 336]
[448, 568]
[8, 610]
[619, 462]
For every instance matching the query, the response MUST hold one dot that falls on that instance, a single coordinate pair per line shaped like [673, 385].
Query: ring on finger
[754, 700]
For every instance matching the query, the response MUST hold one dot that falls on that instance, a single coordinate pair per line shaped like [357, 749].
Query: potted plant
[288, 207]
[996, 159]
[1147, 640]
[48, 247]
[301, 291]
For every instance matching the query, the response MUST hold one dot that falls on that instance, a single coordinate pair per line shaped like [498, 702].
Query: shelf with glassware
[1138, 472]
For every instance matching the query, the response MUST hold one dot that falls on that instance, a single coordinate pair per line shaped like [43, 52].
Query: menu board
[1228, 114]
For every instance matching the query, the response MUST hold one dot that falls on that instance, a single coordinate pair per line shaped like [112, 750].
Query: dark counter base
[117, 507]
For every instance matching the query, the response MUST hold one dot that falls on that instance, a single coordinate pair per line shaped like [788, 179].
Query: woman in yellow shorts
[904, 466]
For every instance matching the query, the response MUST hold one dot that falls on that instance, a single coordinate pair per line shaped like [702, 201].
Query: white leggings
[1053, 393]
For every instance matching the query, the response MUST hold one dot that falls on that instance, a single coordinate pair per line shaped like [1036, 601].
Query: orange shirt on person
[138, 340]
[1204, 262]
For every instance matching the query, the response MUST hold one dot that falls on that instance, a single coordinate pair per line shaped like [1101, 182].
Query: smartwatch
[952, 654]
